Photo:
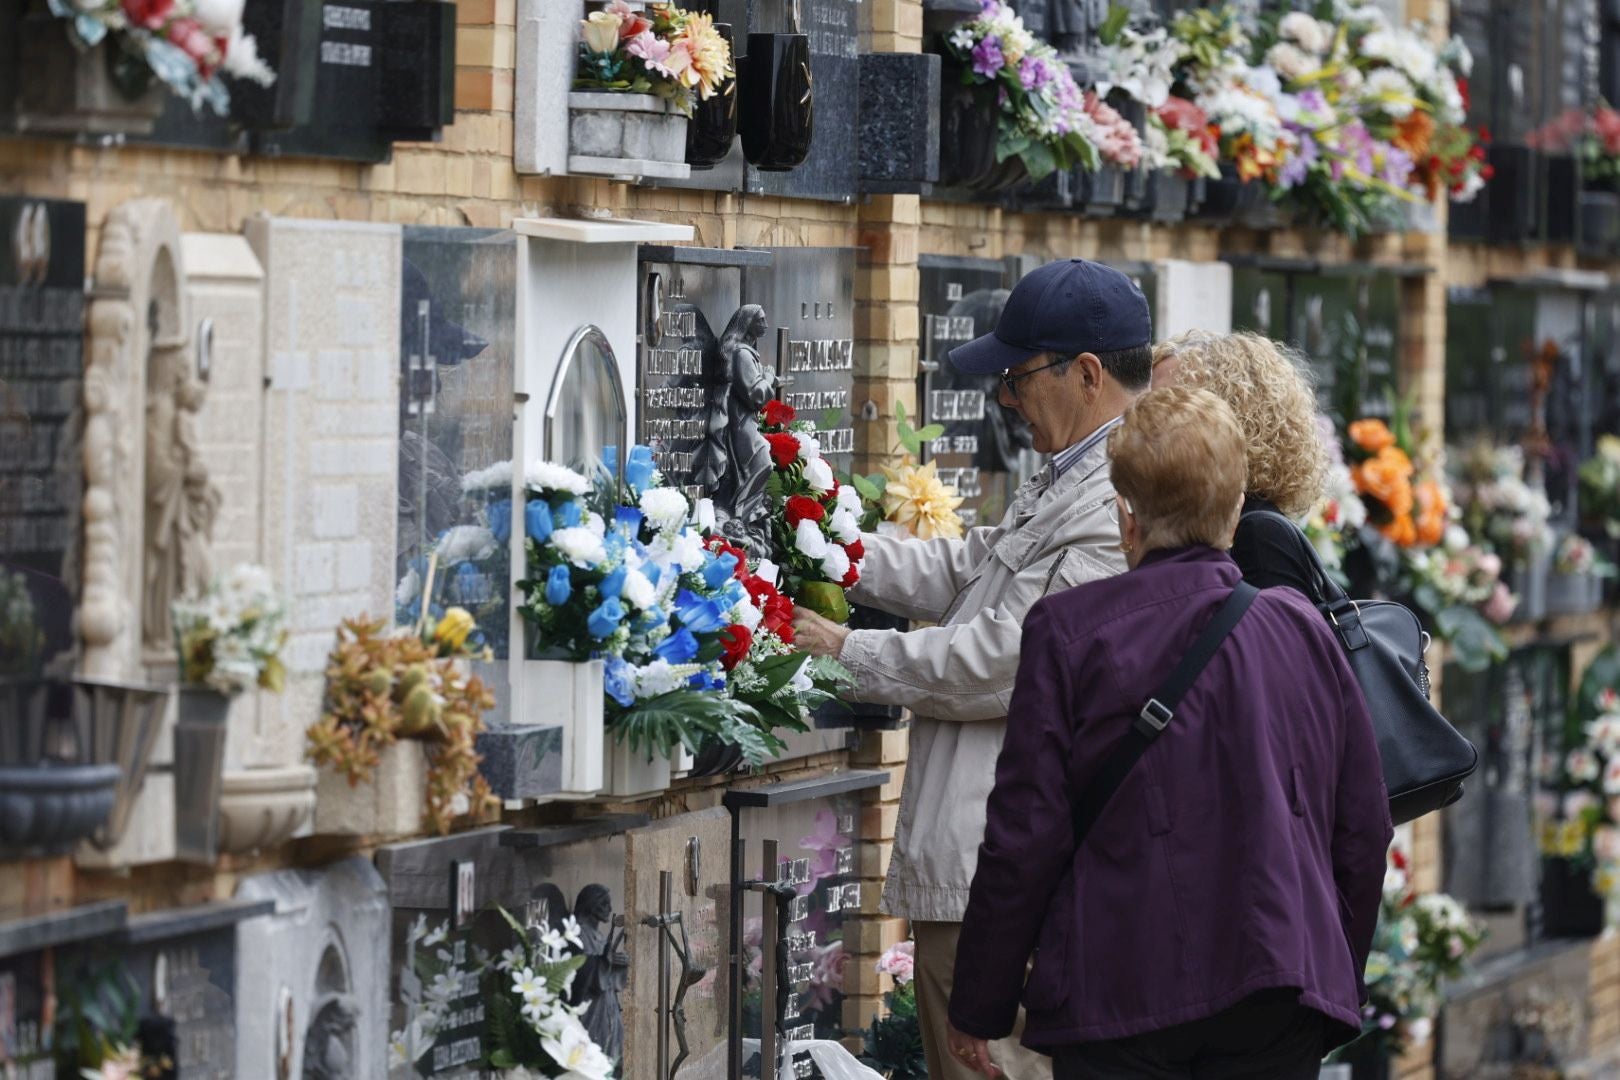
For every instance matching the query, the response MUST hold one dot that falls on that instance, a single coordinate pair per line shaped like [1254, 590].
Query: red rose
[785, 632]
[737, 640]
[778, 620]
[194, 41]
[855, 550]
[803, 508]
[779, 414]
[759, 590]
[784, 449]
[850, 578]
[148, 13]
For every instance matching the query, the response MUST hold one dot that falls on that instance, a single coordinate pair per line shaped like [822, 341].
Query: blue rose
[613, 584]
[537, 520]
[610, 459]
[472, 586]
[619, 680]
[697, 614]
[500, 520]
[638, 471]
[571, 513]
[605, 619]
[679, 648]
[719, 570]
[628, 519]
[707, 680]
[650, 620]
[559, 586]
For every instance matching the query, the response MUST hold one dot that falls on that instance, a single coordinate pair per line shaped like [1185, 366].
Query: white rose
[809, 541]
[818, 474]
[1289, 61]
[704, 515]
[549, 476]
[466, 543]
[767, 571]
[747, 614]
[218, 16]
[579, 546]
[638, 590]
[850, 499]
[809, 446]
[687, 552]
[665, 508]
[835, 563]
[844, 526]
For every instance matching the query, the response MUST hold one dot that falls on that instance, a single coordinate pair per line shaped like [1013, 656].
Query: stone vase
[713, 126]
[261, 808]
[1529, 583]
[389, 804]
[1103, 191]
[48, 807]
[61, 90]
[571, 696]
[633, 773]
[625, 135]
[118, 724]
[199, 770]
[777, 107]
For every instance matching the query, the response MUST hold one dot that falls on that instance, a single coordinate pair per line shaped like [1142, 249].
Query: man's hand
[972, 1052]
[816, 635]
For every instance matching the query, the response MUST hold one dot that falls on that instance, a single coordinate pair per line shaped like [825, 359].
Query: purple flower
[1312, 101]
[1299, 164]
[987, 58]
[989, 9]
[1034, 73]
[1397, 166]
[1386, 1021]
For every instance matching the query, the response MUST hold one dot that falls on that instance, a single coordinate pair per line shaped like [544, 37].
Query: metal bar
[666, 889]
[769, 1017]
[734, 991]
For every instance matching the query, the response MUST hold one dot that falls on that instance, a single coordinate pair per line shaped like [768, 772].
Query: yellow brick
[874, 856]
[872, 937]
[859, 1010]
[877, 823]
[458, 175]
[881, 748]
[887, 283]
[420, 173]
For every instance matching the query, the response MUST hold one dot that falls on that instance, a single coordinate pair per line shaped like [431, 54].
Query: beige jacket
[957, 676]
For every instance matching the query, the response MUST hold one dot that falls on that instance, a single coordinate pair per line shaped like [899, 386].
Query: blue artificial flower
[472, 585]
[707, 680]
[610, 459]
[571, 513]
[605, 619]
[681, 647]
[699, 615]
[650, 620]
[537, 520]
[619, 680]
[719, 570]
[628, 519]
[639, 469]
[613, 584]
[500, 520]
[559, 586]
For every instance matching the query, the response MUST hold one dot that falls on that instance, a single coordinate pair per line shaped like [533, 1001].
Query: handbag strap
[1158, 712]
[1332, 601]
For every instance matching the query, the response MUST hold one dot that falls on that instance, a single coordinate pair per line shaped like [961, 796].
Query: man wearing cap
[1072, 349]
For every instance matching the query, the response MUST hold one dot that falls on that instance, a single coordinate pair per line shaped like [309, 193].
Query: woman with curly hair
[1268, 391]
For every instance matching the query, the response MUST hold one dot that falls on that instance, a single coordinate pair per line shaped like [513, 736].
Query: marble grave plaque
[831, 171]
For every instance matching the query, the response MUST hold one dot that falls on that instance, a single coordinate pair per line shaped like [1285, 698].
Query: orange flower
[1414, 133]
[1402, 530]
[1432, 513]
[1387, 477]
[1371, 435]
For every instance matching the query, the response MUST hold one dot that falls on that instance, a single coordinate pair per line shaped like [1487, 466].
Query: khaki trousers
[936, 956]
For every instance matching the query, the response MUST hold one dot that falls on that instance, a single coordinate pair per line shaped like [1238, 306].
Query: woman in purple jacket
[1216, 920]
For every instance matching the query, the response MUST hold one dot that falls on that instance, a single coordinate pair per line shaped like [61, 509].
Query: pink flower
[650, 48]
[1606, 843]
[899, 961]
[827, 976]
[195, 42]
[1500, 607]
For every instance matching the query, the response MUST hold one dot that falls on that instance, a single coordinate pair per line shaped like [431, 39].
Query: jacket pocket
[1047, 986]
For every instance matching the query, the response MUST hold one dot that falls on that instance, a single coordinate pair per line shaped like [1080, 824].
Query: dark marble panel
[899, 122]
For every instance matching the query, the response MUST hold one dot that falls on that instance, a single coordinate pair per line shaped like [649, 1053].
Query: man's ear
[1091, 374]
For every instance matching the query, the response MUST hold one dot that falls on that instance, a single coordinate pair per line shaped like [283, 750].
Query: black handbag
[1425, 759]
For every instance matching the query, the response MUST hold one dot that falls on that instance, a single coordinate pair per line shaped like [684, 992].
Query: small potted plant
[230, 639]
[634, 85]
[402, 714]
[894, 1043]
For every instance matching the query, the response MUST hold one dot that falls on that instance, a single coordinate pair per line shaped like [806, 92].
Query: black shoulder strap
[1158, 712]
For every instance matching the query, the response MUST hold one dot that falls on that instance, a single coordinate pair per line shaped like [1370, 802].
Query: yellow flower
[453, 628]
[601, 32]
[710, 54]
[917, 500]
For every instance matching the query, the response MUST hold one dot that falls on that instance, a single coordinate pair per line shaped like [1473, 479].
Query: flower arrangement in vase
[665, 51]
[535, 1032]
[230, 638]
[185, 44]
[894, 1043]
[1600, 485]
[1043, 118]
[1140, 64]
[1341, 513]
[910, 499]
[384, 684]
[1580, 816]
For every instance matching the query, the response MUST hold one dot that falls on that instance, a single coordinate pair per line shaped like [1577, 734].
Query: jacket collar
[1187, 556]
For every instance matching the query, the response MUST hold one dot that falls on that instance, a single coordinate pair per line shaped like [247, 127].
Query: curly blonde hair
[1270, 394]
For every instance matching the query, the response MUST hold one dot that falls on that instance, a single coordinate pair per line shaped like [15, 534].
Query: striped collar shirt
[1064, 460]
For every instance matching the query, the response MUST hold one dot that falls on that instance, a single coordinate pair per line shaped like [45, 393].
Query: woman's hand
[972, 1052]
[816, 635]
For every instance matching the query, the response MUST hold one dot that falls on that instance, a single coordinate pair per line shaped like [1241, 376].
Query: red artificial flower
[736, 639]
[851, 577]
[633, 25]
[1487, 172]
[194, 41]
[1398, 857]
[1483, 134]
[778, 620]
[1462, 91]
[148, 13]
[759, 590]
[855, 550]
[779, 414]
[784, 449]
[803, 508]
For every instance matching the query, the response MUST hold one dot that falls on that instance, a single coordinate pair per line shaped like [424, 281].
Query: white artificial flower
[687, 551]
[1419, 1029]
[845, 528]
[809, 446]
[801, 683]
[570, 932]
[408, 589]
[658, 677]
[218, 17]
[1391, 90]
[666, 508]
[1290, 61]
[1582, 765]
[466, 543]
[496, 477]
[594, 522]
[1577, 803]
[510, 959]
[850, 499]
[767, 571]
[818, 474]
[1456, 540]
[579, 546]
[437, 936]
[1611, 777]
[962, 38]
[638, 590]
[809, 541]
[549, 476]
[835, 563]
[746, 614]
[1306, 32]
[580, 1057]
[1402, 49]
[703, 515]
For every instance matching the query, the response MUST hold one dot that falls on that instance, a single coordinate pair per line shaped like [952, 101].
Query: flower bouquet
[185, 44]
[1043, 119]
[385, 684]
[910, 499]
[665, 51]
[1140, 64]
[1583, 827]
[815, 520]
[1599, 148]
[534, 1032]
[1341, 513]
[894, 1044]
[231, 637]
[1500, 507]
[470, 558]
[1600, 485]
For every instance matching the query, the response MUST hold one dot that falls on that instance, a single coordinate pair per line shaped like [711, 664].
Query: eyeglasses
[1113, 508]
[1010, 381]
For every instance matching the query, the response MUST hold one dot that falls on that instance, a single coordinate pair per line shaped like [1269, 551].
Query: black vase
[1569, 906]
[715, 758]
[713, 125]
[777, 104]
[968, 121]
[1223, 197]
[288, 34]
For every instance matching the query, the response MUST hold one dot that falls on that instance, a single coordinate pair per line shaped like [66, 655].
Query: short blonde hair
[1178, 460]
[1270, 394]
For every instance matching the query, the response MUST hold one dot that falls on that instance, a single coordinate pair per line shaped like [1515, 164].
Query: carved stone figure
[734, 462]
[181, 501]
[329, 1049]
[606, 970]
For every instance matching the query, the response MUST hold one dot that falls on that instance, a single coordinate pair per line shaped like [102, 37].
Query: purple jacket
[1244, 851]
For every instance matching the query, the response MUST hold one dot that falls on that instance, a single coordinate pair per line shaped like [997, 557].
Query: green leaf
[867, 487]
[778, 671]
[900, 411]
[1039, 161]
[930, 433]
[1118, 16]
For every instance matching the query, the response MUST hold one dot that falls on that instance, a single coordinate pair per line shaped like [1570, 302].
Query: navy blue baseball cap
[1066, 307]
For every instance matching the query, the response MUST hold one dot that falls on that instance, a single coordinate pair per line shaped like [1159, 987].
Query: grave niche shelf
[57, 928]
